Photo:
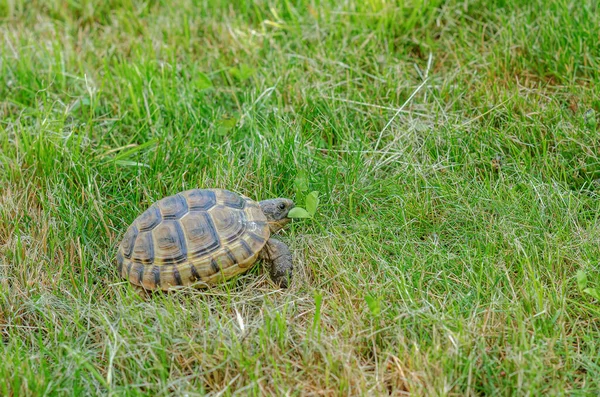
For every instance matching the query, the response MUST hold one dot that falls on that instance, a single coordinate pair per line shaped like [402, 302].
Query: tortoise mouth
[277, 225]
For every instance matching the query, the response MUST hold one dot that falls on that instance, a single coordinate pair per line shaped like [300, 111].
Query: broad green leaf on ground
[298, 212]
[581, 280]
[312, 202]
[373, 304]
[203, 82]
[595, 292]
[226, 124]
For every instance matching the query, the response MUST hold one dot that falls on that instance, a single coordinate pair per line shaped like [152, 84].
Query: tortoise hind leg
[141, 291]
[278, 256]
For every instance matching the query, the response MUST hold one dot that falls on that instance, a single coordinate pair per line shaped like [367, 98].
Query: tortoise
[201, 237]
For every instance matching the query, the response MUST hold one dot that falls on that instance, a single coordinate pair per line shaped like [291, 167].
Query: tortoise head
[276, 211]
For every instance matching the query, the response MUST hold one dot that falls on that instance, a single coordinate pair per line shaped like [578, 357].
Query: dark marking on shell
[256, 237]
[201, 229]
[173, 207]
[171, 246]
[232, 200]
[195, 276]
[246, 248]
[149, 219]
[230, 256]
[239, 232]
[129, 241]
[140, 273]
[230, 224]
[119, 262]
[182, 242]
[200, 199]
[215, 266]
[177, 276]
[143, 250]
[156, 274]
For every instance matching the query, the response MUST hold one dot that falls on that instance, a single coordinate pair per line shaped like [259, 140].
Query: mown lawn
[454, 144]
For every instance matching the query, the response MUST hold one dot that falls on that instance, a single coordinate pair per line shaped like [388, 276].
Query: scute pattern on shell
[199, 236]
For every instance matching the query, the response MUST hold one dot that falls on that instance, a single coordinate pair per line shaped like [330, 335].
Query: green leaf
[203, 82]
[312, 203]
[581, 280]
[593, 292]
[226, 124]
[373, 304]
[298, 212]
[301, 182]
[243, 72]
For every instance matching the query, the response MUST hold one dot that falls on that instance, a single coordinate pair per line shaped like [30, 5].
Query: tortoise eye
[282, 206]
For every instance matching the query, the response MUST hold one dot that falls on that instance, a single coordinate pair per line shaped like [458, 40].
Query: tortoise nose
[289, 205]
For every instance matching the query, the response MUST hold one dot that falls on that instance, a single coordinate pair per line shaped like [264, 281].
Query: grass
[454, 144]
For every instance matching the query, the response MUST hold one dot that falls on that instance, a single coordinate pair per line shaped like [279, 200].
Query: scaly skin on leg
[278, 256]
[141, 291]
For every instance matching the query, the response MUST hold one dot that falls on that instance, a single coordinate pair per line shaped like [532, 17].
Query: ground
[454, 145]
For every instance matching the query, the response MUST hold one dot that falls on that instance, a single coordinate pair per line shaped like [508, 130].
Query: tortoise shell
[199, 236]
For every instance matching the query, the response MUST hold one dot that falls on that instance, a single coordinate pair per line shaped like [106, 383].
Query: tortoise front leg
[279, 258]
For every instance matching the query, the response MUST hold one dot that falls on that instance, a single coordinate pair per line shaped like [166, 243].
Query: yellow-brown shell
[200, 236]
